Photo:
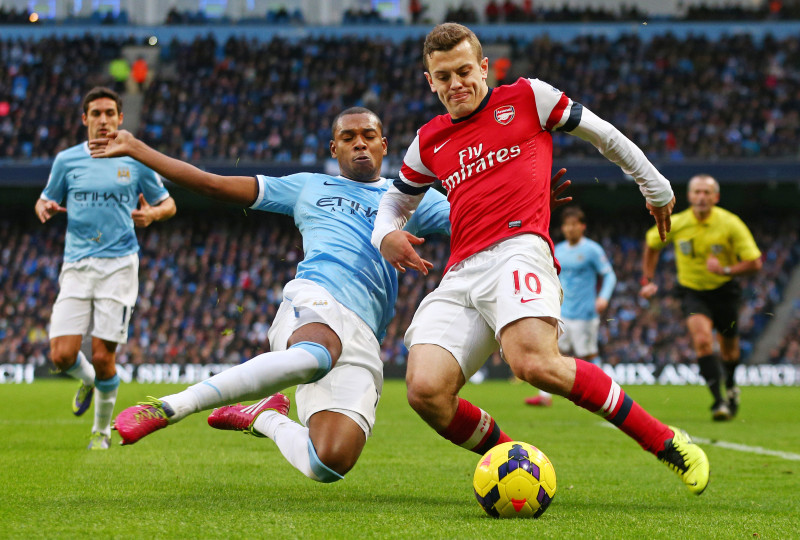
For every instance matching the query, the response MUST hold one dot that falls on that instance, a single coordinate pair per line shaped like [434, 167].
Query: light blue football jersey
[100, 195]
[581, 265]
[336, 217]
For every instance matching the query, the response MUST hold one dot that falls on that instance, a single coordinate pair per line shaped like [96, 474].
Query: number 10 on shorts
[531, 283]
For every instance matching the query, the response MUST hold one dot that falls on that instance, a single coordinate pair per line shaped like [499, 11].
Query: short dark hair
[446, 36]
[101, 92]
[354, 110]
[573, 212]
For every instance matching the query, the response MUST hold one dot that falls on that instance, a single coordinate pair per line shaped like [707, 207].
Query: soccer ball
[514, 479]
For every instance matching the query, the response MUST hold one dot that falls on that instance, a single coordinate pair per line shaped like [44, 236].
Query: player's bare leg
[433, 380]
[66, 355]
[530, 348]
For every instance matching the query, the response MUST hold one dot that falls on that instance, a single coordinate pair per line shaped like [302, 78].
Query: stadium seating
[209, 291]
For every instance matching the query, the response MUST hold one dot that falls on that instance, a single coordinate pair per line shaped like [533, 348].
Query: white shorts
[96, 294]
[579, 337]
[510, 280]
[353, 387]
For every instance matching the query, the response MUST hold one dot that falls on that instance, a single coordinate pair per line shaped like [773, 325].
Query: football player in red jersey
[492, 152]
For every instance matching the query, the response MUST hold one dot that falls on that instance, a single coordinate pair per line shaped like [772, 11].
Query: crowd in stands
[209, 290]
[493, 12]
[255, 100]
[42, 84]
[677, 99]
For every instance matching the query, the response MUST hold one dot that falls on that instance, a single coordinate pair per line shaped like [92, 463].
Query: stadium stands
[677, 98]
[210, 288]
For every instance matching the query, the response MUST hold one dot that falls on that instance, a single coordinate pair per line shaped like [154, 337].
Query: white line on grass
[736, 446]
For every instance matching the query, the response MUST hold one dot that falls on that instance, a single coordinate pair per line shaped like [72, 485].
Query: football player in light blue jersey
[582, 261]
[99, 280]
[326, 334]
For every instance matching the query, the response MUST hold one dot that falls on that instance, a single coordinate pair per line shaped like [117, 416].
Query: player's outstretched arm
[46, 209]
[236, 189]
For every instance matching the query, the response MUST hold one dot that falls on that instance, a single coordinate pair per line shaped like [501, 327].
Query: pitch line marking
[750, 449]
[760, 450]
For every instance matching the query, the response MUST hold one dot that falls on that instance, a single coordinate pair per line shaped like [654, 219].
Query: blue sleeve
[279, 193]
[56, 188]
[604, 270]
[151, 185]
[432, 215]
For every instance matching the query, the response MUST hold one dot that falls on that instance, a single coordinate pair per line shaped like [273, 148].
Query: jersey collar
[377, 183]
[482, 106]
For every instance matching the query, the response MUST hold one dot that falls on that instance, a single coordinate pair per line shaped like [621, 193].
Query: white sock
[291, 438]
[544, 394]
[103, 410]
[255, 379]
[82, 369]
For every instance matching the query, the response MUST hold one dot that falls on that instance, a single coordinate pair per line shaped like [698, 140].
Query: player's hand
[142, 216]
[556, 190]
[662, 213]
[46, 209]
[714, 266]
[397, 248]
[600, 305]
[115, 144]
[648, 291]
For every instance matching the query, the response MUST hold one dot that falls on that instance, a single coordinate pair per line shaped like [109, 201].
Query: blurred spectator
[139, 72]
[492, 11]
[120, 71]
[416, 9]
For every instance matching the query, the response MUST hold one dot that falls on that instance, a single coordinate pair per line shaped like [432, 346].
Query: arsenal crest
[504, 114]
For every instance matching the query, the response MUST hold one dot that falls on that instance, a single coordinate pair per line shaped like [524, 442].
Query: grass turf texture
[190, 481]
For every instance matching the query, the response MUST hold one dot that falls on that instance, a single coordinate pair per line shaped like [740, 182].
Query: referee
[712, 246]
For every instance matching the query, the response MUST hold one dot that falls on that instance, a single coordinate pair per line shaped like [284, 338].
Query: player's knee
[336, 457]
[63, 358]
[703, 346]
[538, 370]
[422, 395]
[327, 464]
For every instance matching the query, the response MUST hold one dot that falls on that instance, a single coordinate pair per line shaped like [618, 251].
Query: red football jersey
[495, 164]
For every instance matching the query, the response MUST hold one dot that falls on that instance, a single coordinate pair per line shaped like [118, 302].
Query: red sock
[597, 392]
[472, 428]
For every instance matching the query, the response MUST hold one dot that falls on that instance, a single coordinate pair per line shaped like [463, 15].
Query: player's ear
[84, 119]
[430, 82]
[120, 118]
[485, 67]
[385, 144]
[332, 146]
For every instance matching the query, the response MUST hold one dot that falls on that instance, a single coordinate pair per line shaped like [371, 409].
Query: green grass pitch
[190, 481]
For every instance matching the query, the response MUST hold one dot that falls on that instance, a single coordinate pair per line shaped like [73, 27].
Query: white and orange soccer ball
[514, 479]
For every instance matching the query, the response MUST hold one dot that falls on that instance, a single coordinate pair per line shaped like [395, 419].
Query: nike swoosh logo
[526, 300]
[437, 148]
[327, 184]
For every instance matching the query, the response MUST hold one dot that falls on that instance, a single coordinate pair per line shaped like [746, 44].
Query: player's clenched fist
[397, 248]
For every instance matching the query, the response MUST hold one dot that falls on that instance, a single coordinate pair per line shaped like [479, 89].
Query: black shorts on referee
[721, 305]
